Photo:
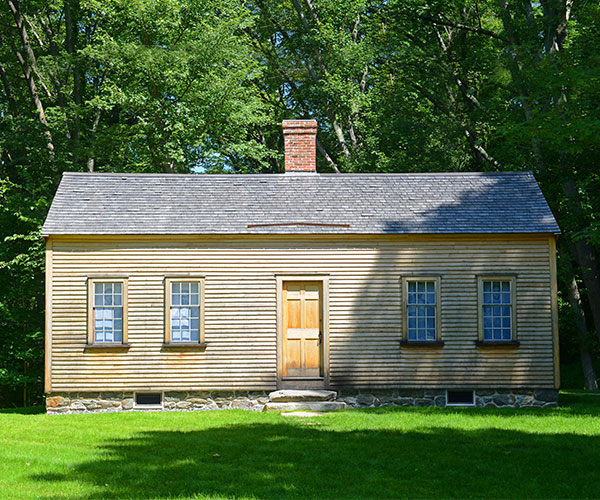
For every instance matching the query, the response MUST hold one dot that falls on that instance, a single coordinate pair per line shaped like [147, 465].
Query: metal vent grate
[460, 398]
[148, 399]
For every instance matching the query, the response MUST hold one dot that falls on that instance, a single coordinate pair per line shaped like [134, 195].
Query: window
[496, 309]
[184, 311]
[421, 318]
[107, 311]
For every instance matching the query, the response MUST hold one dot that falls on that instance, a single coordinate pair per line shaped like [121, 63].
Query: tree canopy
[202, 86]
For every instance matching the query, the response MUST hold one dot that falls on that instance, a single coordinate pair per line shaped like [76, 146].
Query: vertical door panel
[302, 327]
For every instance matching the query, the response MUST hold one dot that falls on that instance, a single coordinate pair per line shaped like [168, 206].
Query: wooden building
[206, 291]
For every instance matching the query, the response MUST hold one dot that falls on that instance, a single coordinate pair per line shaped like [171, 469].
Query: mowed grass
[380, 453]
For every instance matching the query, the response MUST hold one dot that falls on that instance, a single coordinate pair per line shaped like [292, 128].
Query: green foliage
[202, 86]
[22, 285]
[179, 76]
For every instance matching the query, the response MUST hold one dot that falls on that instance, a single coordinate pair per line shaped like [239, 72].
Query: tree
[142, 86]
[202, 86]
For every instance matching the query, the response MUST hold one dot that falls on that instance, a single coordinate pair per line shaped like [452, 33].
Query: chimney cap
[299, 126]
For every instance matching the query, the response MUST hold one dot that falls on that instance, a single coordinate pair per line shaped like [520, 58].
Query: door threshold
[317, 383]
[303, 378]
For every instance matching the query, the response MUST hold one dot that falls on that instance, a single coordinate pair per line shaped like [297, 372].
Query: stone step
[306, 406]
[297, 395]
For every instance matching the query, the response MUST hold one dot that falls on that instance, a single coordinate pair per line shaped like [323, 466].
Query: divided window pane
[421, 310]
[108, 312]
[185, 311]
[497, 310]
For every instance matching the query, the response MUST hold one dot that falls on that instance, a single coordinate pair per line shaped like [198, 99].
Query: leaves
[202, 86]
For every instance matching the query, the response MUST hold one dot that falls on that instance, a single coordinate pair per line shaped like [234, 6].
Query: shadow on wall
[293, 460]
[374, 338]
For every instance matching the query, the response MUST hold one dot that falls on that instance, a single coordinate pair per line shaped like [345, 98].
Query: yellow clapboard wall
[364, 310]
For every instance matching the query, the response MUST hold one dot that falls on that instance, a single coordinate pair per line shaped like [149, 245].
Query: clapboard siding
[365, 316]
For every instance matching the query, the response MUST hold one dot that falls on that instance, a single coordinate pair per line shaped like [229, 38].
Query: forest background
[202, 86]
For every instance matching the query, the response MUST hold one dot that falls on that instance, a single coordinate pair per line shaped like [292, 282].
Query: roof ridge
[274, 175]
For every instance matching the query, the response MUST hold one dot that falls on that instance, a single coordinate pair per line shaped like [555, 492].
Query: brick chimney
[300, 137]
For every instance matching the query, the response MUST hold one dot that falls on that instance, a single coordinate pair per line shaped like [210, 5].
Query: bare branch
[473, 29]
[27, 63]
[90, 161]
[337, 128]
[477, 148]
[328, 158]
[34, 32]
[312, 11]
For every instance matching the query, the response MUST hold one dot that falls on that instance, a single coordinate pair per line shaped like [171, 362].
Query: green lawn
[381, 453]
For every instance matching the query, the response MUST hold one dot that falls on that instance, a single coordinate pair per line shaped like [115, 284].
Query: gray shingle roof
[299, 204]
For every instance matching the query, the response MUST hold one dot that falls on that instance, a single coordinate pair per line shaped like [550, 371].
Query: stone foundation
[516, 399]
[80, 402]
[497, 398]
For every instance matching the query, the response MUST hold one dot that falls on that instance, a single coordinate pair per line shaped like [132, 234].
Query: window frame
[438, 331]
[91, 337]
[512, 279]
[168, 342]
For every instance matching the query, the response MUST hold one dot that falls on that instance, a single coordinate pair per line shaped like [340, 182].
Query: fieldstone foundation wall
[79, 402]
[76, 402]
[516, 399]
[498, 398]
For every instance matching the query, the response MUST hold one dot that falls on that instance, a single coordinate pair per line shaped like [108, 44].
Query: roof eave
[213, 235]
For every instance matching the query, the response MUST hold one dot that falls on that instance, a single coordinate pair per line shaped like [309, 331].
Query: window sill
[497, 343]
[422, 343]
[107, 347]
[184, 346]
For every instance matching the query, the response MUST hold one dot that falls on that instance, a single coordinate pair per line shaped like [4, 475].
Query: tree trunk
[337, 128]
[589, 372]
[70, 39]
[26, 65]
[516, 72]
[90, 160]
[556, 15]
[585, 257]
[328, 158]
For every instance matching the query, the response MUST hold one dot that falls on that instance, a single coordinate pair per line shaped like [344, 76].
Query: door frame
[324, 280]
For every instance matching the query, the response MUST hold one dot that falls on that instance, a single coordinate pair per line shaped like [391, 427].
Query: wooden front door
[302, 329]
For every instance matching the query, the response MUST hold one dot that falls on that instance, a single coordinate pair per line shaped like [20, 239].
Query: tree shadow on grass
[26, 410]
[296, 460]
[581, 404]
